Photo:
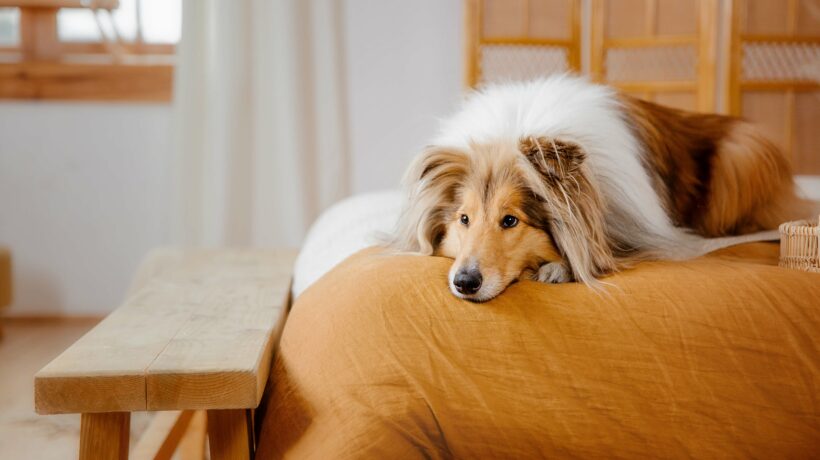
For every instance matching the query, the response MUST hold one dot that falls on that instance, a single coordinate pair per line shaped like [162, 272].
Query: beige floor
[26, 346]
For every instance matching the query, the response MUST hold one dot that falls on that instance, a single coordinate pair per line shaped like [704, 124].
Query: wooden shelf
[66, 80]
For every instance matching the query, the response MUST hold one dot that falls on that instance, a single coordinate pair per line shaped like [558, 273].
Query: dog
[560, 180]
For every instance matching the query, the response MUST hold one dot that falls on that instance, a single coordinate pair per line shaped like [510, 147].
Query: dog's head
[501, 211]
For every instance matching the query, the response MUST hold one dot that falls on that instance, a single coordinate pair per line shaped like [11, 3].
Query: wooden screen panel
[676, 17]
[642, 18]
[806, 146]
[769, 110]
[806, 21]
[800, 18]
[504, 18]
[521, 39]
[626, 18]
[774, 49]
[551, 19]
[766, 17]
[544, 19]
[651, 47]
[790, 120]
[682, 100]
[651, 64]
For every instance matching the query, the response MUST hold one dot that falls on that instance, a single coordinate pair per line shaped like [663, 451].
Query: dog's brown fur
[717, 174]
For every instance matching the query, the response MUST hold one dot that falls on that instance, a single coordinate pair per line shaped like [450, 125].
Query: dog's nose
[467, 281]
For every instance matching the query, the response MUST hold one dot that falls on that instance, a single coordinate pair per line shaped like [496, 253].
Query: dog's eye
[509, 221]
[464, 219]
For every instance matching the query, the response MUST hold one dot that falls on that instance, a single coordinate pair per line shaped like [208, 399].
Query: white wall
[83, 195]
[403, 74]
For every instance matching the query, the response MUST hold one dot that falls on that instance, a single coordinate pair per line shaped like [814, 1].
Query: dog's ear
[557, 174]
[436, 163]
[432, 182]
[554, 159]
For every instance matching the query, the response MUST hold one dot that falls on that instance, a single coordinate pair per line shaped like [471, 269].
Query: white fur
[553, 272]
[575, 110]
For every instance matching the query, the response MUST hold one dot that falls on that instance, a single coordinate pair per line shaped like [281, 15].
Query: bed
[715, 357]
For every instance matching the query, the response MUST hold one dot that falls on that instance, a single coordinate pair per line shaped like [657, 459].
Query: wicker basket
[800, 245]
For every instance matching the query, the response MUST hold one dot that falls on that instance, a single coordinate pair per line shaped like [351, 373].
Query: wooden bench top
[196, 331]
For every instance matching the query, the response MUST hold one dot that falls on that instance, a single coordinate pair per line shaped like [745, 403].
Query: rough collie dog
[561, 180]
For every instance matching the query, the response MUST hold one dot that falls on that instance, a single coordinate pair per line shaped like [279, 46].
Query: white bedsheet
[343, 229]
[810, 186]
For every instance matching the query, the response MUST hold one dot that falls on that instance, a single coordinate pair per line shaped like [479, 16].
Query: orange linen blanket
[714, 357]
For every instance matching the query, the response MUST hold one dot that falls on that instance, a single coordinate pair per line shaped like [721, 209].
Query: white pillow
[810, 186]
[343, 229]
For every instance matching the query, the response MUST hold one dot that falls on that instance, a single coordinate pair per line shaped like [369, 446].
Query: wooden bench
[197, 331]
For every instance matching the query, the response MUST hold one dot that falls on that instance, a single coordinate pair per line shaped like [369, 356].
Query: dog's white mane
[573, 109]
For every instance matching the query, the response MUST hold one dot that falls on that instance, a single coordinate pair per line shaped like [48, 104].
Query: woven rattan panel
[667, 63]
[781, 61]
[517, 62]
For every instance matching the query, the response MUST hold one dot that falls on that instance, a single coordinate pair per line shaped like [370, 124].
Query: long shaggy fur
[611, 178]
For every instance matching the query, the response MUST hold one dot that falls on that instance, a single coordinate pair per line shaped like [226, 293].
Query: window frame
[41, 67]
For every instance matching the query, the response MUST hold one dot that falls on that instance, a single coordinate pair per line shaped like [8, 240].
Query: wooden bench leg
[192, 446]
[105, 436]
[230, 434]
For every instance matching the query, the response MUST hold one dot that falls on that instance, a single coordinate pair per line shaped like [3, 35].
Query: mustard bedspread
[714, 357]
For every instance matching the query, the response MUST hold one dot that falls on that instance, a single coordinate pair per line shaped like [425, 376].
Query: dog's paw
[553, 272]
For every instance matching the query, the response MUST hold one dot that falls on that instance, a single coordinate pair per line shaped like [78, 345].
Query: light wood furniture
[43, 67]
[662, 51]
[197, 332]
[521, 38]
[774, 73]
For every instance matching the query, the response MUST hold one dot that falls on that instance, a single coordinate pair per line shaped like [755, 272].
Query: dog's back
[716, 174]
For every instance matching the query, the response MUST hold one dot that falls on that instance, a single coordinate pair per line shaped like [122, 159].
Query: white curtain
[260, 125]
